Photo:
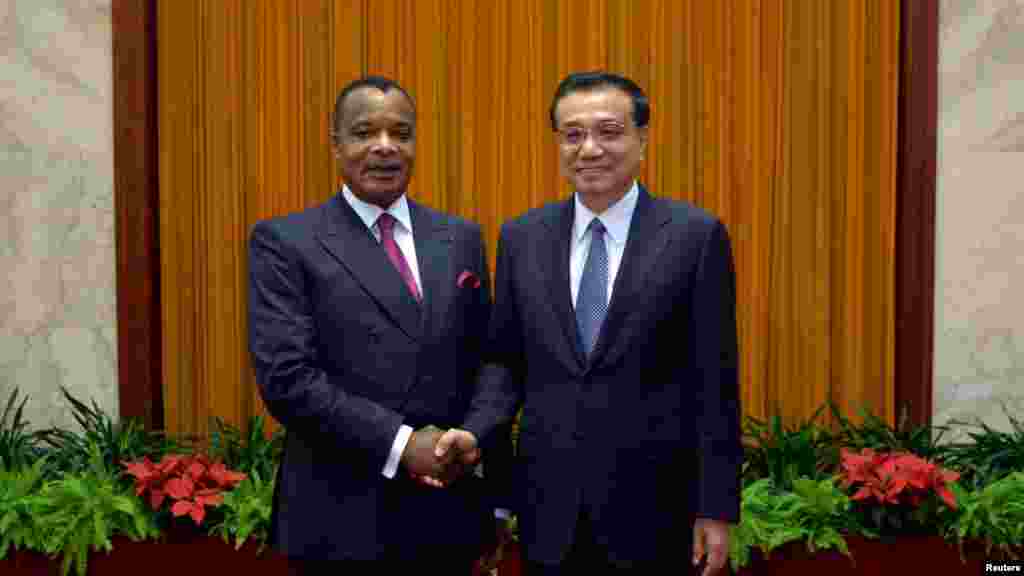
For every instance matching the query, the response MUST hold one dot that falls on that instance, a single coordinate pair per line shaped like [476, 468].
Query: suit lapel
[433, 240]
[644, 245]
[346, 237]
[559, 225]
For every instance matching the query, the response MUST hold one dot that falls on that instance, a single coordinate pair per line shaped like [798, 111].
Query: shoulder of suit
[686, 212]
[535, 216]
[448, 219]
[304, 219]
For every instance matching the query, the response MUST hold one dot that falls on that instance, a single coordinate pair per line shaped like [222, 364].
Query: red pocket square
[467, 277]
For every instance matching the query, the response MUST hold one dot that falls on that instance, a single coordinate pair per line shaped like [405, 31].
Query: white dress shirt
[616, 219]
[369, 213]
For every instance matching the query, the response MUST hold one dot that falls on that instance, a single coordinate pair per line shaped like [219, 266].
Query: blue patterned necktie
[592, 297]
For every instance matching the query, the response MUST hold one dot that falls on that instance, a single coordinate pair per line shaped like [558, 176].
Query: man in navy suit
[614, 328]
[367, 317]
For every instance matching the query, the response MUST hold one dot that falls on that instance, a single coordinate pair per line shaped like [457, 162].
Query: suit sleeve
[283, 341]
[713, 335]
[499, 381]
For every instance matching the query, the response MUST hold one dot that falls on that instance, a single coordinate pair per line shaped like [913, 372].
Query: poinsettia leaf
[947, 497]
[142, 469]
[209, 498]
[896, 486]
[181, 508]
[180, 488]
[196, 469]
[169, 464]
[156, 498]
[863, 494]
[198, 513]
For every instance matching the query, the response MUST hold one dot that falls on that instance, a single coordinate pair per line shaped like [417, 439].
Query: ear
[643, 142]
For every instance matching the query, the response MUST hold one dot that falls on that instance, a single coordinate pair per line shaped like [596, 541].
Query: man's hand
[710, 537]
[458, 448]
[419, 457]
[491, 557]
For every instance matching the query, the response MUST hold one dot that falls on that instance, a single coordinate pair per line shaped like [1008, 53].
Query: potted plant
[813, 515]
[80, 513]
[897, 493]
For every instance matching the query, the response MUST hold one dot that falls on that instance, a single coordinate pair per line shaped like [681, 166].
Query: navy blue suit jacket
[644, 435]
[343, 355]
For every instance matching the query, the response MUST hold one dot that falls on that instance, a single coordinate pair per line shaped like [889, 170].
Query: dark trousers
[587, 557]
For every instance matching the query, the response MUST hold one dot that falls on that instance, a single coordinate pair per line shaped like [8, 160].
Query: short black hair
[596, 80]
[381, 83]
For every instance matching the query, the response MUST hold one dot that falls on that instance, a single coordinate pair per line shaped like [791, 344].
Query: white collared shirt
[616, 219]
[369, 213]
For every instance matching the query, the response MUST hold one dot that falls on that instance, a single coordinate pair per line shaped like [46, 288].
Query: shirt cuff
[401, 439]
[502, 513]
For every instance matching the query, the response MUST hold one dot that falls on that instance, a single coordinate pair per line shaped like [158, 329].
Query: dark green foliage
[877, 434]
[19, 446]
[252, 452]
[990, 454]
[783, 454]
[115, 442]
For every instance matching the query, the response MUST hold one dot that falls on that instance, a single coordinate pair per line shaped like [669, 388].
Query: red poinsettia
[192, 482]
[895, 477]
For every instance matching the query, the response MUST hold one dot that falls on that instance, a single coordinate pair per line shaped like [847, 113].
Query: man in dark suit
[367, 316]
[614, 328]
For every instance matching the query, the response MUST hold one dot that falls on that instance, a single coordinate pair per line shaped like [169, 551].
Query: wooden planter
[181, 556]
[199, 555]
[176, 557]
[903, 555]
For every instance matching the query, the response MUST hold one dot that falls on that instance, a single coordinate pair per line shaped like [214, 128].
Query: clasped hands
[437, 457]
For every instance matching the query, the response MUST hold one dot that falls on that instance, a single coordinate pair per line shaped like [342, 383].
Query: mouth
[386, 170]
[591, 170]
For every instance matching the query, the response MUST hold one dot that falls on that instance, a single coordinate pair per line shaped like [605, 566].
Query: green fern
[116, 441]
[989, 454]
[784, 453]
[80, 513]
[246, 510]
[993, 514]
[18, 445]
[17, 526]
[814, 513]
[252, 452]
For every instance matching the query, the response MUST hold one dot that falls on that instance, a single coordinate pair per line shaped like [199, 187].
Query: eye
[610, 132]
[360, 133]
[404, 134]
[573, 135]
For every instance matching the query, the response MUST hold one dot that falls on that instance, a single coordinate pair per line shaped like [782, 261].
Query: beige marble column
[57, 290]
[979, 321]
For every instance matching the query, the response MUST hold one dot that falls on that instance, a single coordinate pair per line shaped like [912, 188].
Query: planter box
[905, 555]
[206, 555]
[189, 556]
[180, 557]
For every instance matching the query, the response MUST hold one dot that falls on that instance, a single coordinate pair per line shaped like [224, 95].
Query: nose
[384, 143]
[589, 146]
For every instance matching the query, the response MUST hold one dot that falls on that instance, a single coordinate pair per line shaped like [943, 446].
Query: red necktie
[386, 223]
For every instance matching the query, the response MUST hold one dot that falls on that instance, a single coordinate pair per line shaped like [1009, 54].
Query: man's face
[376, 144]
[600, 149]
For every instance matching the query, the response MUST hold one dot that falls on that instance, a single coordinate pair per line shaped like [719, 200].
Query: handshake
[437, 458]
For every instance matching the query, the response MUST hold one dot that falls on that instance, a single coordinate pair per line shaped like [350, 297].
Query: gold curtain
[779, 116]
